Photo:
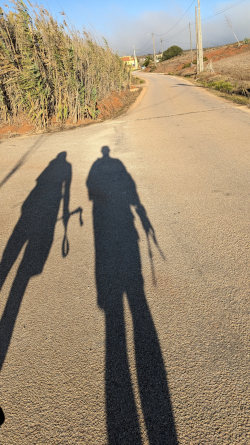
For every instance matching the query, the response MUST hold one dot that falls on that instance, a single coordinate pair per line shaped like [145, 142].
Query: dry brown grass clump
[48, 70]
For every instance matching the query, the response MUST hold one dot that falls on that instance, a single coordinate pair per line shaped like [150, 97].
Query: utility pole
[231, 27]
[153, 38]
[135, 59]
[201, 65]
[161, 46]
[191, 46]
[197, 41]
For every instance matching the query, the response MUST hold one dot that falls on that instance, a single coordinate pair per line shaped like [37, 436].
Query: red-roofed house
[131, 61]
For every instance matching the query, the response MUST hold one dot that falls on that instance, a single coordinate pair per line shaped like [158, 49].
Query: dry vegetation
[49, 72]
[231, 76]
[222, 60]
[237, 67]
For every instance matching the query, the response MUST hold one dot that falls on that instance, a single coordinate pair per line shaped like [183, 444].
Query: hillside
[226, 68]
[178, 65]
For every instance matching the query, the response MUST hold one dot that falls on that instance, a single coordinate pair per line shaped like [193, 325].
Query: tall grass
[48, 70]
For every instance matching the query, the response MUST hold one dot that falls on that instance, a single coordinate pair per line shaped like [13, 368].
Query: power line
[208, 18]
[178, 21]
[145, 47]
[224, 10]
[185, 29]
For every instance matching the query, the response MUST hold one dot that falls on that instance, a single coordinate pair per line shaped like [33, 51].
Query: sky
[130, 23]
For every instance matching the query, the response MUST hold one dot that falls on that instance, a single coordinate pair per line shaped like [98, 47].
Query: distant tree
[147, 61]
[171, 52]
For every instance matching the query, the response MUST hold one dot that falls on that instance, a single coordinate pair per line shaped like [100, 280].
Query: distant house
[141, 60]
[130, 61]
[158, 57]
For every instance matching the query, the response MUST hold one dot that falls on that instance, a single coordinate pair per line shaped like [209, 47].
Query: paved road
[132, 329]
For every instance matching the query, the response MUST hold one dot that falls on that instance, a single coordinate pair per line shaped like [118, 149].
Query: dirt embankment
[110, 107]
[181, 65]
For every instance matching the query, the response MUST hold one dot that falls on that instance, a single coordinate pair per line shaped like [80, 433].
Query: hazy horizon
[130, 24]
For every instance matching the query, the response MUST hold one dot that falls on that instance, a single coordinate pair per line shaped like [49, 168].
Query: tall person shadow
[35, 229]
[118, 272]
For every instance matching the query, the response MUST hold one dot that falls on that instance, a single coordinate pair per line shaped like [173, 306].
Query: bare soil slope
[237, 66]
[221, 60]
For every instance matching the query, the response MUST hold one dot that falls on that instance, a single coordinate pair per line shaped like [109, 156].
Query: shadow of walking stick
[150, 253]
[150, 233]
[65, 243]
[2, 418]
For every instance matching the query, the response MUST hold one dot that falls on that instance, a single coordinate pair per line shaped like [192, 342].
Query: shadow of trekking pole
[150, 253]
[65, 243]
[2, 418]
[150, 233]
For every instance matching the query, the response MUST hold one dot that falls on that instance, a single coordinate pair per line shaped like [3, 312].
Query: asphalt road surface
[130, 328]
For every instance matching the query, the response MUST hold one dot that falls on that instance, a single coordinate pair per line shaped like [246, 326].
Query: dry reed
[49, 70]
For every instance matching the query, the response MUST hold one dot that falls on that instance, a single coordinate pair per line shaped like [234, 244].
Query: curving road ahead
[130, 328]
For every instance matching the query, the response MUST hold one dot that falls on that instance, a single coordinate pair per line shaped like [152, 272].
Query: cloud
[127, 33]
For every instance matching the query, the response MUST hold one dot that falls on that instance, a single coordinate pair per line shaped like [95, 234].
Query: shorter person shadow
[34, 230]
[118, 273]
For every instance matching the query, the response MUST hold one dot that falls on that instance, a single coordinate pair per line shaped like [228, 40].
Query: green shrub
[221, 85]
[137, 80]
[147, 61]
[173, 51]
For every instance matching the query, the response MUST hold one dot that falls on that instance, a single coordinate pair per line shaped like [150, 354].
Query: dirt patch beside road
[108, 108]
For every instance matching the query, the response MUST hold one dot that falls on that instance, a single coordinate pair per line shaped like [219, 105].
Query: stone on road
[130, 328]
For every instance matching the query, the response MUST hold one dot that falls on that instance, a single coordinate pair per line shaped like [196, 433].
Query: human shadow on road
[118, 272]
[35, 229]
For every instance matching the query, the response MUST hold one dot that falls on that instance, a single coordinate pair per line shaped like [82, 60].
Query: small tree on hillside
[147, 61]
[171, 52]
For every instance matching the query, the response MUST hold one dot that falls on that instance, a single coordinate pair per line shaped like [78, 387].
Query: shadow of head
[62, 156]
[105, 151]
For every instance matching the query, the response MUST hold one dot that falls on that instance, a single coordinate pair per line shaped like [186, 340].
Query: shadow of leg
[11, 310]
[2, 418]
[122, 420]
[152, 379]
[12, 250]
